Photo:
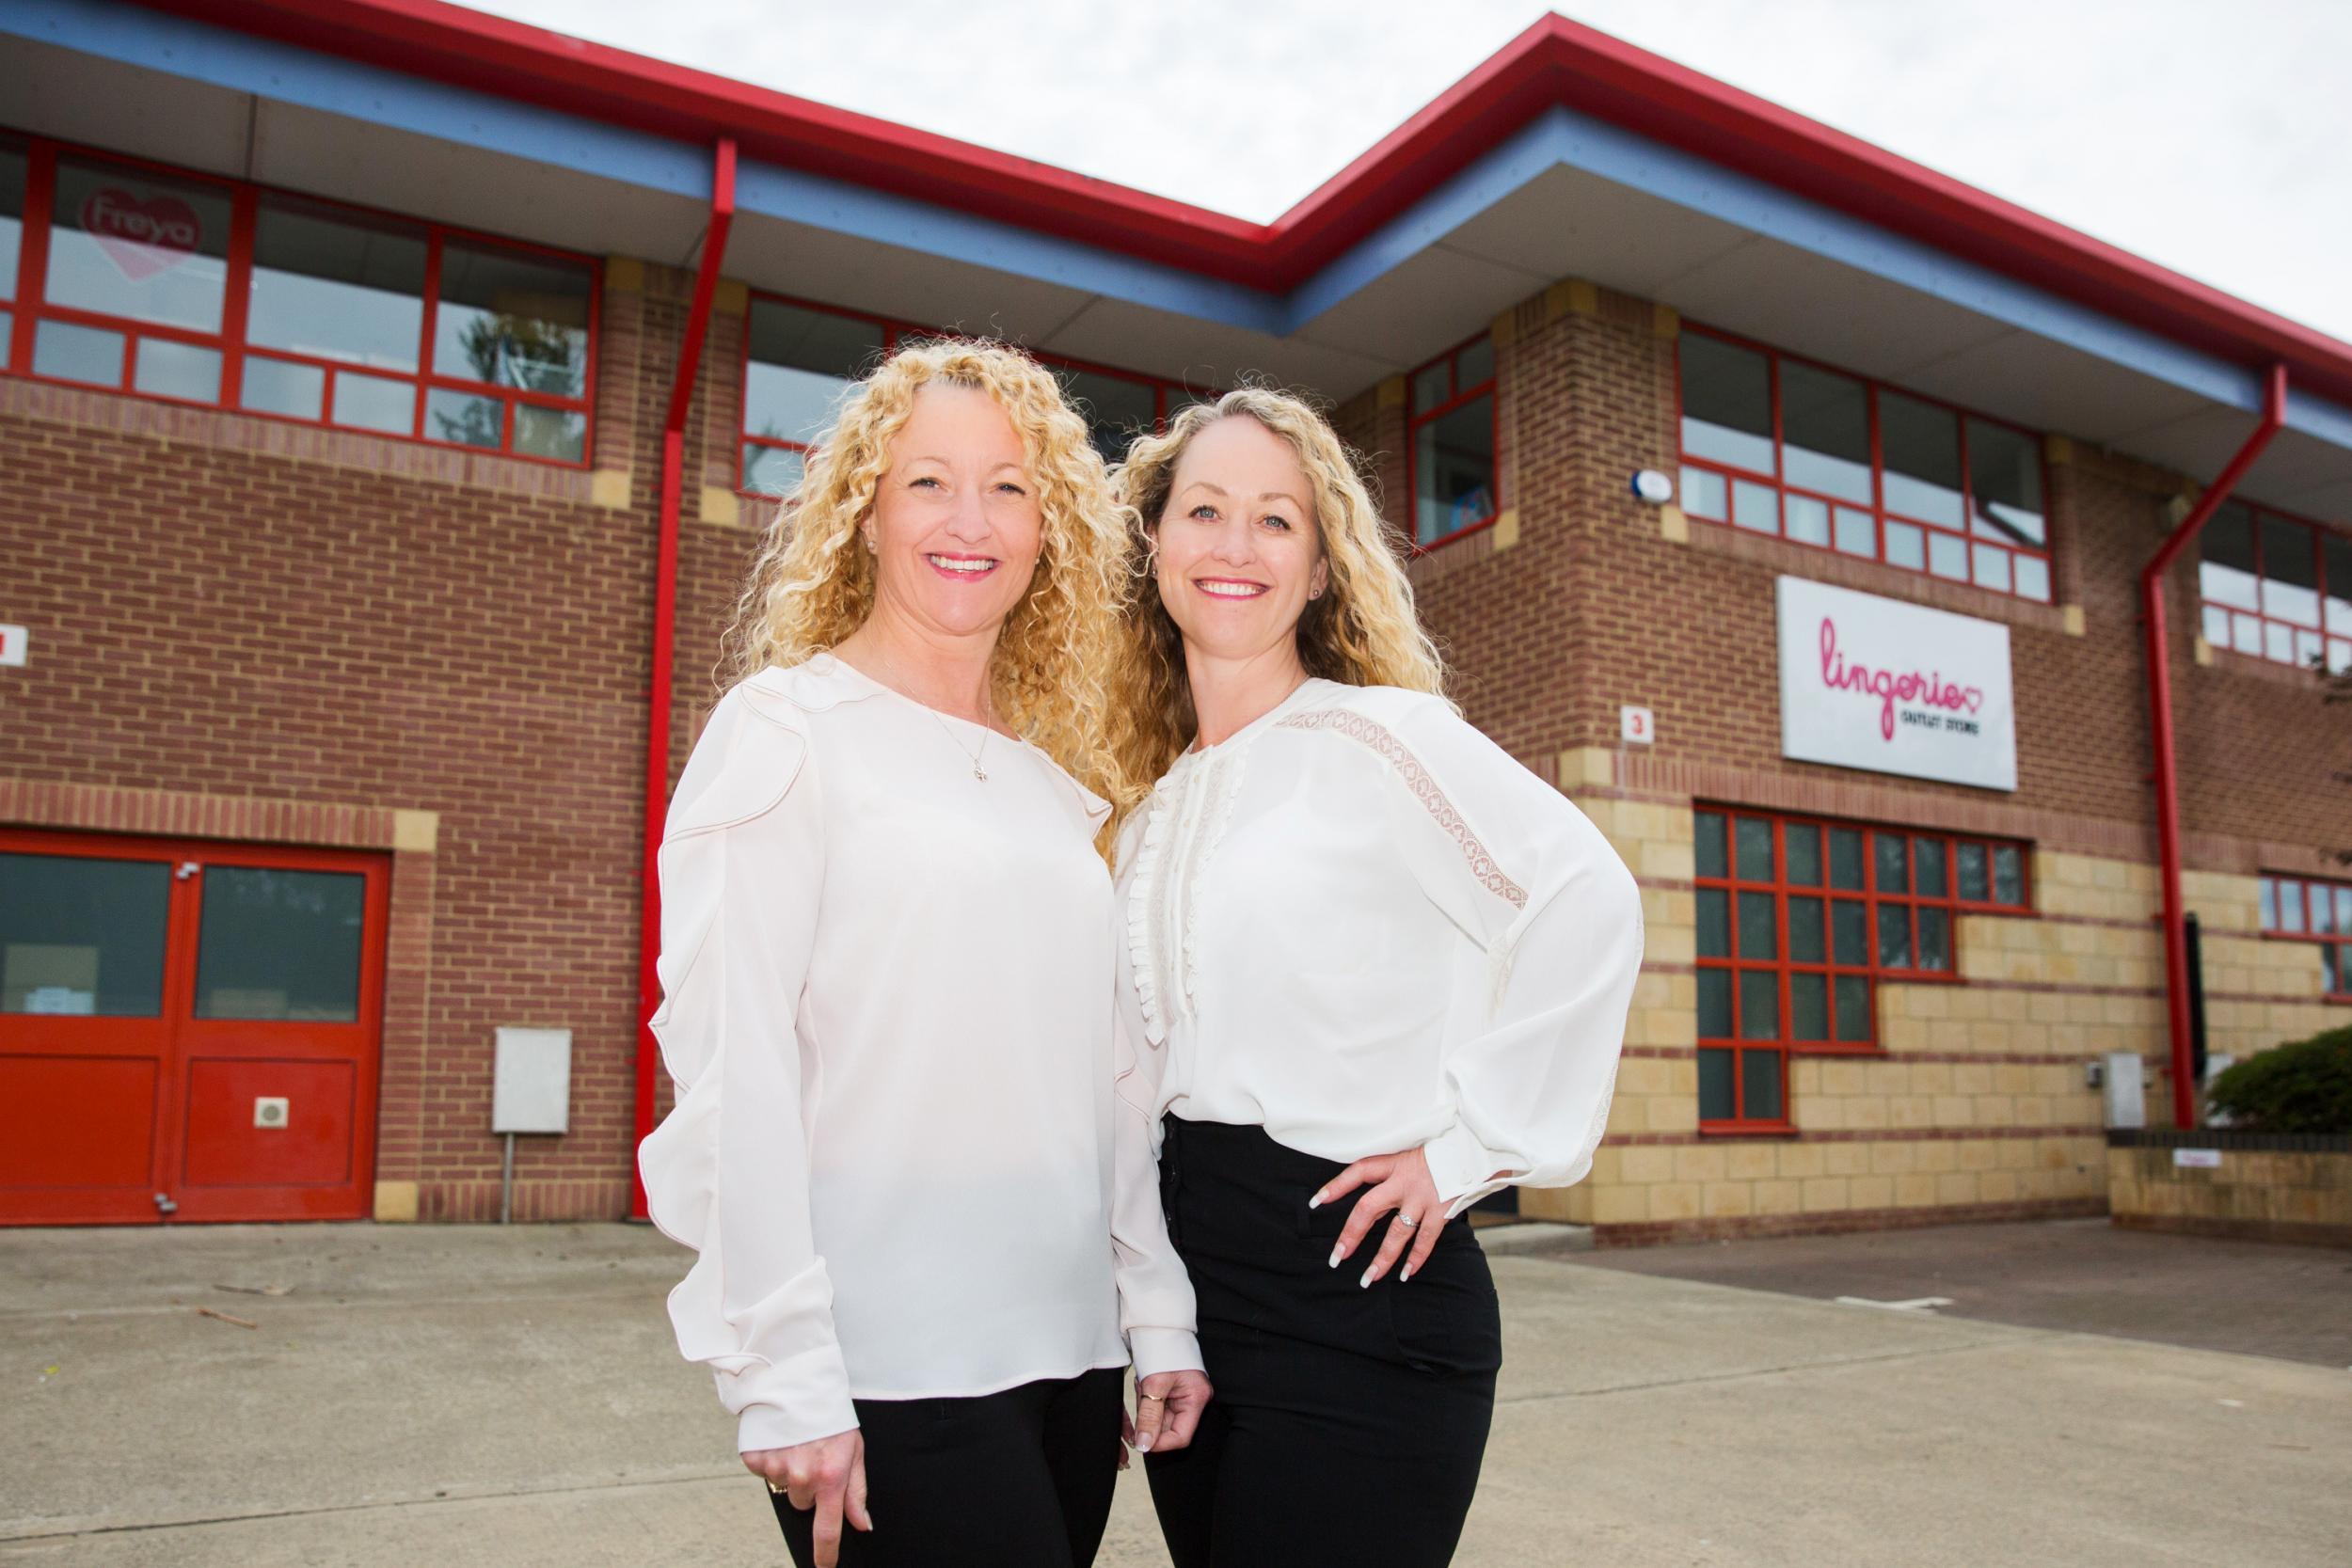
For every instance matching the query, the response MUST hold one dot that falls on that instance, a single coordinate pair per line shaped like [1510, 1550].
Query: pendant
[978, 772]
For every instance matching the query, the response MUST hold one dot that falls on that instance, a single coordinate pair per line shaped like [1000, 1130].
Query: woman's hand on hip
[1167, 1409]
[1400, 1184]
[827, 1474]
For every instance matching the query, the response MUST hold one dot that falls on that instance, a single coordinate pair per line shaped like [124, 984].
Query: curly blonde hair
[1362, 632]
[811, 586]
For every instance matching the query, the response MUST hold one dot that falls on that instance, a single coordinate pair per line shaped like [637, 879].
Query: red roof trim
[1554, 62]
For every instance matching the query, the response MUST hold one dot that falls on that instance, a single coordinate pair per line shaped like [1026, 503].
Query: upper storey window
[2276, 587]
[801, 357]
[1449, 442]
[1782, 446]
[202, 290]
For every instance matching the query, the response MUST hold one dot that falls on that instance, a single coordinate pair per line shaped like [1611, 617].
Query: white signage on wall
[1866, 682]
[1636, 726]
[14, 643]
[531, 1089]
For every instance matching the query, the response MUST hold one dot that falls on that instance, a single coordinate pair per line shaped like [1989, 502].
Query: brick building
[363, 474]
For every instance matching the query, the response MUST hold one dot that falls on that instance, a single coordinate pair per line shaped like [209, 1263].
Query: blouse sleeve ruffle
[725, 1173]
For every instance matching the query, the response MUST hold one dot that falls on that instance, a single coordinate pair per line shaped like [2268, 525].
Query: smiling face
[1238, 554]
[956, 523]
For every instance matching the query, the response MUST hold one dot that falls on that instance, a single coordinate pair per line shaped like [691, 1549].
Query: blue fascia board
[1560, 137]
[242, 63]
[1525, 157]
[1564, 137]
[797, 196]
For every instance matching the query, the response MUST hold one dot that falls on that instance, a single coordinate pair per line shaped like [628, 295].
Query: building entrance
[189, 1030]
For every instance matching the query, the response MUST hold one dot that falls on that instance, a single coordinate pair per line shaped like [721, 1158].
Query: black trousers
[1017, 1479]
[1348, 1423]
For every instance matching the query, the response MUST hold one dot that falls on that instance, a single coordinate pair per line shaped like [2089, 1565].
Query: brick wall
[1588, 598]
[229, 608]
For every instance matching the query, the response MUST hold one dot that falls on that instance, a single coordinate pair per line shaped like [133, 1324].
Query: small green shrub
[2303, 1087]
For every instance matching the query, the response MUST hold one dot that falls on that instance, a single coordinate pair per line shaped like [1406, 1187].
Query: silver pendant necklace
[977, 771]
[987, 730]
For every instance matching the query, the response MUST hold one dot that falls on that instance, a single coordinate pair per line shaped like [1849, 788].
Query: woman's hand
[1399, 1182]
[1167, 1409]
[827, 1474]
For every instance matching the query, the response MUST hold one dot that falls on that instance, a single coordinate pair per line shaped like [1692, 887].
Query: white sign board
[1636, 726]
[533, 1088]
[1896, 687]
[2196, 1158]
[15, 644]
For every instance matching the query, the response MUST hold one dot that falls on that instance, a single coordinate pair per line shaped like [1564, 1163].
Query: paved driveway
[2260, 1298]
[452, 1396]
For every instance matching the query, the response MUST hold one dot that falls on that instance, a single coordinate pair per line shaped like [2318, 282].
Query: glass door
[84, 1044]
[187, 1031]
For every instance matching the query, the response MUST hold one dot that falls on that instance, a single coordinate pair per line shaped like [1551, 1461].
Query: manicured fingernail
[1143, 1444]
[1405, 1276]
[1336, 1256]
[1365, 1283]
[1316, 1202]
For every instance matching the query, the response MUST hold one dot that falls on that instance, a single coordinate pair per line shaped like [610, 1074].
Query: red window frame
[1166, 394]
[1457, 396]
[1734, 886]
[2214, 616]
[1880, 514]
[2325, 921]
[30, 309]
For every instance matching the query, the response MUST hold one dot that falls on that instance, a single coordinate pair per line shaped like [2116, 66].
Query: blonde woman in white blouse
[1380, 971]
[921, 1188]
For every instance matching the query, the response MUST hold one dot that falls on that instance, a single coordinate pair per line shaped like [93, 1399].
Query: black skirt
[1349, 1423]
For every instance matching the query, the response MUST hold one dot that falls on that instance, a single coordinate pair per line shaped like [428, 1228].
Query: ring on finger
[1408, 1222]
[1155, 1399]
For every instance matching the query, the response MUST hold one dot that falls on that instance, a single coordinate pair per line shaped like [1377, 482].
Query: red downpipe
[2160, 722]
[664, 645]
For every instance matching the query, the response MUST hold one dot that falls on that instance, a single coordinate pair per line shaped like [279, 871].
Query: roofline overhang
[1555, 63]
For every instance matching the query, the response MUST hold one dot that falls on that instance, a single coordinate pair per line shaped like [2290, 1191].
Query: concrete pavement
[457, 1396]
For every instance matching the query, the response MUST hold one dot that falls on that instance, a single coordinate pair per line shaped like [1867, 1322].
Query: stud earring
[869, 542]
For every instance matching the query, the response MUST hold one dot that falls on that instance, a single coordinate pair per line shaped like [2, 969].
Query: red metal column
[2160, 724]
[664, 645]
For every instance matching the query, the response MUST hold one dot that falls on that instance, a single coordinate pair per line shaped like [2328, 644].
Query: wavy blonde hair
[812, 585]
[1362, 632]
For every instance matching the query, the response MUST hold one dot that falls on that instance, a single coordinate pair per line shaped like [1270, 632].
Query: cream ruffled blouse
[1362, 925]
[908, 1144]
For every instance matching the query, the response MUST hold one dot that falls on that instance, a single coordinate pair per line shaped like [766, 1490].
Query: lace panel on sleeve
[1378, 738]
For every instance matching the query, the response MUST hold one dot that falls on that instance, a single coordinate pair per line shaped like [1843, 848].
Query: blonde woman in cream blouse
[1380, 971]
[909, 1143]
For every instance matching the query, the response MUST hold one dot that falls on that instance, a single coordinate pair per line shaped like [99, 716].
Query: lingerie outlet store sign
[1896, 687]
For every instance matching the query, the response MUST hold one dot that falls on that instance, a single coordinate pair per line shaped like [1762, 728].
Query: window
[11, 236]
[800, 359]
[1781, 446]
[1449, 442]
[204, 291]
[2311, 910]
[81, 936]
[1799, 919]
[2276, 587]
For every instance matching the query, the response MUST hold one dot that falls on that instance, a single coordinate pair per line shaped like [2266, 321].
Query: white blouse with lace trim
[909, 1143]
[1362, 925]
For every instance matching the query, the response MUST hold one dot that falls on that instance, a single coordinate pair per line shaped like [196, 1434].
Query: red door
[187, 1030]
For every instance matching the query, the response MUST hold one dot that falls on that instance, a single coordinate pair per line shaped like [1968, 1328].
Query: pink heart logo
[1974, 698]
[142, 238]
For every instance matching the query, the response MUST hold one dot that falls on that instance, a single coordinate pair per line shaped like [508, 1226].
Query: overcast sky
[2213, 136]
